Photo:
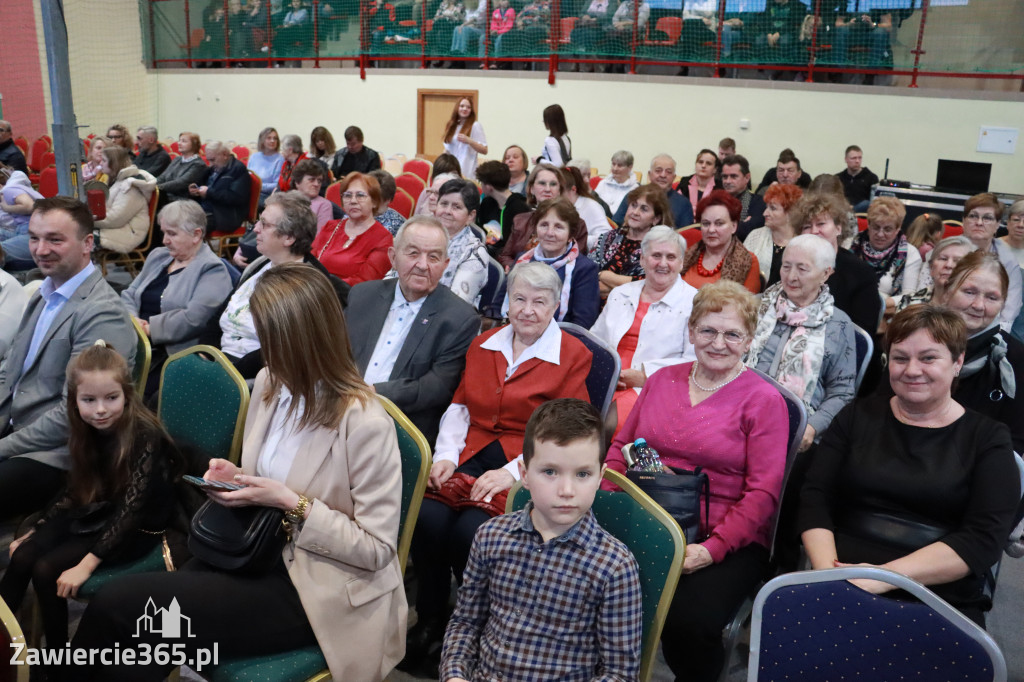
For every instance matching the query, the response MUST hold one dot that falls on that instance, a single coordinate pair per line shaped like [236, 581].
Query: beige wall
[911, 127]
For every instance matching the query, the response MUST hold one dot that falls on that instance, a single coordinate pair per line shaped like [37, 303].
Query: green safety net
[952, 36]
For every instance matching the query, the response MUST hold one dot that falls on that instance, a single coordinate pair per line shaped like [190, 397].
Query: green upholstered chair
[10, 634]
[308, 664]
[143, 357]
[656, 542]
[203, 402]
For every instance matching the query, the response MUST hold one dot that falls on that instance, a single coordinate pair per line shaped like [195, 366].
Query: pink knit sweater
[739, 435]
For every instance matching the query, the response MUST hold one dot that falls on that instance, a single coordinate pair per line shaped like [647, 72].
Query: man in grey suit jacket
[72, 309]
[409, 335]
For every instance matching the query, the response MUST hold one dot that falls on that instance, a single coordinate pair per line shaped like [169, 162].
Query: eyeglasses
[884, 229]
[988, 218]
[355, 196]
[267, 225]
[731, 337]
[115, 136]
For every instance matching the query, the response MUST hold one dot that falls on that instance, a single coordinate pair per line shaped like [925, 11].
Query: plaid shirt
[568, 609]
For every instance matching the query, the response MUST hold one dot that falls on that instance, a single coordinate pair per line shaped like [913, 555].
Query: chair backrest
[797, 425]
[154, 202]
[143, 357]
[403, 203]
[492, 295]
[242, 153]
[691, 235]
[49, 159]
[48, 182]
[595, 180]
[868, 637]
[21, 142]
[411, 183]
[952, 228]
[604, 368]
[671, 26]
[333, 193]
[419, 168]
[416, 461]
[565, 30]
[255, 187]
[11, 634]
[203, 401]
[862, 222]
[233, 272]
[654, 539]
[865, 349]
[35, 158]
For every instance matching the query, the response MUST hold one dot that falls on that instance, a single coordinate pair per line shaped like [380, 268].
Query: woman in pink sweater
[502, 19]
[715, 414]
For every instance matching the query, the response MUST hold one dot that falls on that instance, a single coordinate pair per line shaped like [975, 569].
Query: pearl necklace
[712, 389]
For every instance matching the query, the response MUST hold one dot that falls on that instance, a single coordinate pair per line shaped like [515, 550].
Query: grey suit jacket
[37, 411]
[192, 297]
[430, 364]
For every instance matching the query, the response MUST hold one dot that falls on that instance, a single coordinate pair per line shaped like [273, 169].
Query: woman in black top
[914, 483]
[994, 362]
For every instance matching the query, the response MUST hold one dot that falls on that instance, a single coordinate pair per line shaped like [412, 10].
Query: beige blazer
[344, 562]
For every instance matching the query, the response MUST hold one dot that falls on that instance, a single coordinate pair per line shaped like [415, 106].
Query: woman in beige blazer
[319, 446]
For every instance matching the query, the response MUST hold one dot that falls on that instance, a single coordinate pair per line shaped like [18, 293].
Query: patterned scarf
[736, 263]
[891, 260]
[987, 349]
[800, 358]
[566, 260]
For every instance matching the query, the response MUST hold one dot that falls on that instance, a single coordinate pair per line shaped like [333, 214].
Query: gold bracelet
[298, 515]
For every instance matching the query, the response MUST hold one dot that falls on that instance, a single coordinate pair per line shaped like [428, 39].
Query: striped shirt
[568, 609]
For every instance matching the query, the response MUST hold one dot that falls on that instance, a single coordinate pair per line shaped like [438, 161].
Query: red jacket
[499, 409]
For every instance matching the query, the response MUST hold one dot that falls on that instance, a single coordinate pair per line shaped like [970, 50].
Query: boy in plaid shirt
[547, 592]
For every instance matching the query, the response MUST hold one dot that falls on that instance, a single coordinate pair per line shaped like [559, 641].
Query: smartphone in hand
[218, 486]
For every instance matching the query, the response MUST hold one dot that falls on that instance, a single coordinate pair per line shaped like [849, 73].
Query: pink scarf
[694, 187]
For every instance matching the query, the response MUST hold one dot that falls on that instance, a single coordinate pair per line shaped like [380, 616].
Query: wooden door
[433, 109]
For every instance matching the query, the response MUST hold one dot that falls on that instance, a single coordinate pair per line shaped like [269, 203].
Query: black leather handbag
[240, 539]
[682, 495]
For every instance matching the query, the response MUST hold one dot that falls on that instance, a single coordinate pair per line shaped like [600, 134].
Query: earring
[956, 372]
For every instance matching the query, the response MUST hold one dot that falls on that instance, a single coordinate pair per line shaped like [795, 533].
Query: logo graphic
[169, 623]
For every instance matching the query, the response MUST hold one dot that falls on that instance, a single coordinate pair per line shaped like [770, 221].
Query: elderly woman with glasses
[714, 414]
[981, 220]
[896, 262]
[356, 247]
[941, 261]
[283, 235]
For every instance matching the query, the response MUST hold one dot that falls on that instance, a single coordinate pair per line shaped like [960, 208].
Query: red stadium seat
[413, 184]
[403, 203]
[418, 167]
[333, 193]
[595, 181]
[242, 153]
[48, 182]
[691, 234]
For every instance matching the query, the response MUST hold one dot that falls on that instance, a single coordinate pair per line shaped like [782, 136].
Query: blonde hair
[715, 297]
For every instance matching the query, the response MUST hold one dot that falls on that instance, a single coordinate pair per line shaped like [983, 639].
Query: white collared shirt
[283, 439]
[451, 436]
[399, 321]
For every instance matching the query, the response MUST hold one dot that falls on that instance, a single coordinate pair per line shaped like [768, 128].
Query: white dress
[464, 153]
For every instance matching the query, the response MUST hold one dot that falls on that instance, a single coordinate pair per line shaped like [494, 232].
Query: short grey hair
[212, 147]
[425, 221]
[299, 221]
[149, 130]
[537, 275]
[623, 158]
[958, 240]
[293, 142]
[819, 248]
[662, 234]
[1017, 208]
[663, 156]
[184, 214]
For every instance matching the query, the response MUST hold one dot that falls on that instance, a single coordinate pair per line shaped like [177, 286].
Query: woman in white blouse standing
[646, 321]
[464, 137]
[557, 145]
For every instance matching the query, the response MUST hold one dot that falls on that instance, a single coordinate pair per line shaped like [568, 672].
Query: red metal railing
[369, 29]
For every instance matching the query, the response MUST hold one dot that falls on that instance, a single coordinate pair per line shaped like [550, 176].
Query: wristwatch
[298, 515]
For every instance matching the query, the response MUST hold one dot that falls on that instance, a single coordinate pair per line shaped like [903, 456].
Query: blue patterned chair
[815, 625]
